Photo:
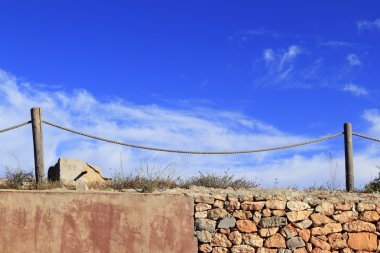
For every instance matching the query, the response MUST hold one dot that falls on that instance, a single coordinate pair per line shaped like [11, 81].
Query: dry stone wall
[270, 224]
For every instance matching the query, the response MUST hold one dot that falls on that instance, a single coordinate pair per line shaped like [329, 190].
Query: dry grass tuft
[212, 180]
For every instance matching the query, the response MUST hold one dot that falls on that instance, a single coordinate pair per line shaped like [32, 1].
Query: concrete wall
[35, 221]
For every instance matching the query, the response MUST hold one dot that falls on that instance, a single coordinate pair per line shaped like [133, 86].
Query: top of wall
[315, 196]
[257, 194]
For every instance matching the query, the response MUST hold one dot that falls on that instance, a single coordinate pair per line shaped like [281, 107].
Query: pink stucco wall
[36, 221]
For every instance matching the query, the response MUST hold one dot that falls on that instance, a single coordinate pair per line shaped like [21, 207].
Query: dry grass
[212, 180]
[147, 178]
[144, 179]
[24, 180]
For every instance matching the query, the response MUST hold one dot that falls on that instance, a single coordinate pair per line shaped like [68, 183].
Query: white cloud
[280, 62]
[152, 125]
[353, 60]
[292, 53]
[337, 43]
[373, 117]
[355, 89]
[369, 25]
[247, 35]
[258, 32]
[268, 55]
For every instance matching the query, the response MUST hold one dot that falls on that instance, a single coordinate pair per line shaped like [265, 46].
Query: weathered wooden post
[39, 165]
[349, 161]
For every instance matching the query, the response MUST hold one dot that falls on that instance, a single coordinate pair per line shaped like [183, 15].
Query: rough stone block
[275, 204]
[362, 241]
[217, 214]
[227, 222]
[203, 198]
[295, 242]
[252, 206]
[204, 236]
[274, 221]
[246, 226]
[359, 226]
[346, 216]
[320, 219]
[242, 249]
[303, 224]
[253, 240]
[235, 237]
[327, 229]
[297, 205]
[294, 216]
[70, 170]
[267, 232]
[205, 224]
[221, 241]
[206, 248]
[325, 208]
[361, 207]
[275, 241]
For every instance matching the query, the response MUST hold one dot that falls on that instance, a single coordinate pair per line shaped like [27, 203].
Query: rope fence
[194, 152]
[366, 137]
[14, 127]
[38, 145]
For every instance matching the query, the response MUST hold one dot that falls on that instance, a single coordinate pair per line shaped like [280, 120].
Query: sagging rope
[193, 152]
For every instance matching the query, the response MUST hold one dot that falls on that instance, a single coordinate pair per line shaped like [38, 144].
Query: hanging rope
[193, 152]
[14, 127]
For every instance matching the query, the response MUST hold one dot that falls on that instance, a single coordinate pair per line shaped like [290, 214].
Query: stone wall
[246, 221]
[284, 223]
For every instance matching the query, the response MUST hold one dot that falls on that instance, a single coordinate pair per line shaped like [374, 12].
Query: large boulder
[71, 170]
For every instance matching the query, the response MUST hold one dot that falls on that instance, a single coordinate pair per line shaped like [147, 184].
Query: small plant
[316, 187]
[19, 179]
[215, 181]
[100, 186]
[275, 182]
[332, 184]
[47, 185]
[374, 185]
[25, 180]
[147, 178]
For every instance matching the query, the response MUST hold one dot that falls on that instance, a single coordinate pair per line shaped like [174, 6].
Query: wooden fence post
[39, 165]
[349, 161]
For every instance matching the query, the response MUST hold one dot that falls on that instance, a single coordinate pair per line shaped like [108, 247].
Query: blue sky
[214, 75]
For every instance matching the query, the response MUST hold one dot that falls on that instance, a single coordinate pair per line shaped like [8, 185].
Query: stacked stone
[253, 224]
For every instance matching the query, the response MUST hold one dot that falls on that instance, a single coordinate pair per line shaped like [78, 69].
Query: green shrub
[374, 185]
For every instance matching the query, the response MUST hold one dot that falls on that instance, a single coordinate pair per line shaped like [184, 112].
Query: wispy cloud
[353, 60]
[258, 32]
[373, 117]
[355, 89]
[344, 44]
[280, 62]
[192, 129]
[189, 128]
[290, 55]
[268, 55]
[247, 35]
[368, 25]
